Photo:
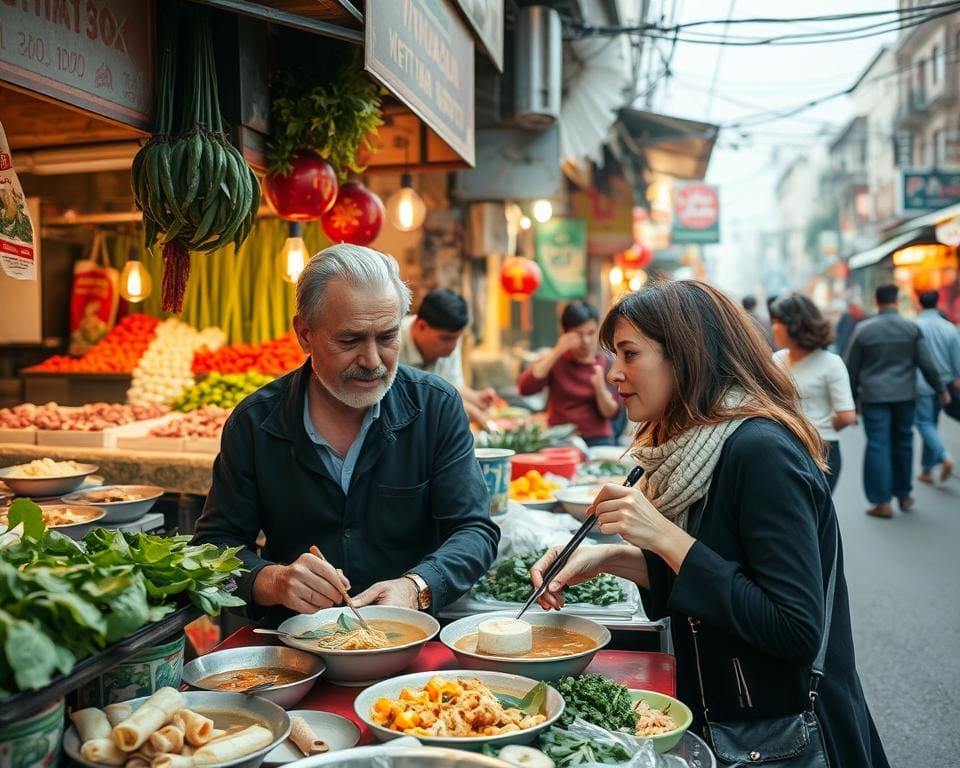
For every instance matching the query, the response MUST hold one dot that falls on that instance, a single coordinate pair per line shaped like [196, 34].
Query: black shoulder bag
[793, 741]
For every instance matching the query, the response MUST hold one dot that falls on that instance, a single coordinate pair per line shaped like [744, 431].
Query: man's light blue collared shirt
[340, 467]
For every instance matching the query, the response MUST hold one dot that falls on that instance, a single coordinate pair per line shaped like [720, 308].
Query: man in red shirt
[576, 374]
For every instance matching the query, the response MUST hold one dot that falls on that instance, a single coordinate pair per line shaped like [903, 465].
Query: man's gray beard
[358, 399]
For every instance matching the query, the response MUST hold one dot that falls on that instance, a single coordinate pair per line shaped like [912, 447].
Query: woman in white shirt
[801, 334]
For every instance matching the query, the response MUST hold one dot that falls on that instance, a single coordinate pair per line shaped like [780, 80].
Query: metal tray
[20, 705]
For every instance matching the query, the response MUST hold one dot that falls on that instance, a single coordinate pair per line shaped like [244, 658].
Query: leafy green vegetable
[597, 700]
[527, 438]
[566, 749]
[65, 600]
[510, 582]
[605, 468]
[530, 704]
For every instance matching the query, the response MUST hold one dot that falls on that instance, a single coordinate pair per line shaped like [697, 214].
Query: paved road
[904, 581]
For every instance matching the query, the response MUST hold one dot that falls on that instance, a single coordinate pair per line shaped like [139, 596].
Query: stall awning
[917, 230]
[670, 146]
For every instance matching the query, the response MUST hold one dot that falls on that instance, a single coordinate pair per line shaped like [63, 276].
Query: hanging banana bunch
[195, 189]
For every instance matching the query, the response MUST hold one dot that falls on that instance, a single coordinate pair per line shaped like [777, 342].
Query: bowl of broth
[563, 645]
[355, 657]
[291, 672]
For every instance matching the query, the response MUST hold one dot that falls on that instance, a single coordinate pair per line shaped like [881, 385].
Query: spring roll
[147, 751]
[103, 752]
[91, 723]
[188, 750]
[231, 747]
[152, 715]
[306, 740]
[172, 761]
[168, 739]
[117, 713]
[217, 733]
[136, 761]
[196, 728]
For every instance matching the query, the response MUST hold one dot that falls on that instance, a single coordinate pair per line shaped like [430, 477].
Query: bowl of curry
[290, 672]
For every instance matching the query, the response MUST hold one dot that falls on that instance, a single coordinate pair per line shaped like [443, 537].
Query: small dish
[680, 712]
[123, 510]
[338, 731]
[42, 487]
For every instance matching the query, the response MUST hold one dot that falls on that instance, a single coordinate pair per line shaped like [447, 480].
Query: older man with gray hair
[369, 460]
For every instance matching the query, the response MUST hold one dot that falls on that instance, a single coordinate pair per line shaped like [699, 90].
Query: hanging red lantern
[307, 192]
[356, 217]
[520, 277]
[635, 257]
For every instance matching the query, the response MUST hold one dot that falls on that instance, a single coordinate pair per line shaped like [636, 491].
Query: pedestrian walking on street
[801, 335]
[749, 303]
[943, 338]
[883, 358]
[845, 325]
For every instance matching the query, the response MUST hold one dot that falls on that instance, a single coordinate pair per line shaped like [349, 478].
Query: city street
[903, 580]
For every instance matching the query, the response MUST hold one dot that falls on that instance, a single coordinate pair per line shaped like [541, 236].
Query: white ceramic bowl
[576, 499]
[498, 682]
[212, 701]
[119, 511]
[45, 487]
[359, 668]
[235, 659]
[402, 756]
[538, 669]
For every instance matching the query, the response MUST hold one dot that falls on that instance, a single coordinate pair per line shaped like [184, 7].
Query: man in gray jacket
[883, 357]
[370, 461]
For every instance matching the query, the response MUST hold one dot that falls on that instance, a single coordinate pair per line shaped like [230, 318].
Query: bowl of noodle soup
[353, 656]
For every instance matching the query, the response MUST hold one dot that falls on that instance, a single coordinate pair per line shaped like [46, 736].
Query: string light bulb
[616, 277]
[405, 208]
[525, 223]
[543, 211]
[135, 281]
[293, 255]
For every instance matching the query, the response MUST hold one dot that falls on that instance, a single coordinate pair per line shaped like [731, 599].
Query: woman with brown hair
[730, 531]
[801, 335]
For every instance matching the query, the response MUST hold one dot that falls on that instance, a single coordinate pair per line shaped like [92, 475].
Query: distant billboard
[696, 213]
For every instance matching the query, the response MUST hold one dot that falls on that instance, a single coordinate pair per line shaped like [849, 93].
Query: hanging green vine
[336, 119]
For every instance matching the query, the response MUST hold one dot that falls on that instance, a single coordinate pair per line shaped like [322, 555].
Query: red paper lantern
[520, 277]
[635, 257]
[307, 192]
[356, 217]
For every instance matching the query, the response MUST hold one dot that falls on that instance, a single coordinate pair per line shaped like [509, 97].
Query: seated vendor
[369, 460]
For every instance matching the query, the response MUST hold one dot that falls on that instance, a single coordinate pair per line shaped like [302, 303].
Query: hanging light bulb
[135, 282]
[636, 283]
[543, 211]
[525, 223]
[293, 256]
[405, 208]
[616, 277]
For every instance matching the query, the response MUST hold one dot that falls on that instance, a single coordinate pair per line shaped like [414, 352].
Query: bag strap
[816, 671]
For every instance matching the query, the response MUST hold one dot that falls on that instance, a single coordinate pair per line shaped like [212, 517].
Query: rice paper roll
[147, 751]
[117, 713]
[216, 733]
[197, 729]
[103, 752]
[187, 750]
[91, 724]
[152, 715]
[231, 747]
[306, 740]
[168, 739]
[172, 761]
[136, 761]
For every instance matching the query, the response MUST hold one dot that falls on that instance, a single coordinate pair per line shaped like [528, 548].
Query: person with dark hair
[885, 352]
[575, 373]
[731, 530]
[943, 338]
[430, 341]
[749, 303]
[802, 334]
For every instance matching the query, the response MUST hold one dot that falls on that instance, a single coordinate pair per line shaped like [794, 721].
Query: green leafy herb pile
[597, 700]
[606, 468]
[64, 600]
[527, 438]
[566, 749]
[510, 582]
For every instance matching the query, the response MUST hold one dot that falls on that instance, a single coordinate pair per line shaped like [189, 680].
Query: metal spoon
[258, 688]
[277, 632]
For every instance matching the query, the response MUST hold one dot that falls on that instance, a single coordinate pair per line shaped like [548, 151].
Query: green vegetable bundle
[566, 749]
[510, 582]
[65, 600]
[222, 389]
[527, 438]
[598, 700]
[194, 187]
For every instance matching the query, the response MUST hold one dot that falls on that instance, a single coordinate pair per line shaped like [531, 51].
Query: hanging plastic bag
[94, 297]
[584, 744]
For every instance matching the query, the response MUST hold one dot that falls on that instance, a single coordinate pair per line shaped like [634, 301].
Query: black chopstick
[579, 536]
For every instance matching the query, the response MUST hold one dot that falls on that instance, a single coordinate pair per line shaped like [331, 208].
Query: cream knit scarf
[677, 473]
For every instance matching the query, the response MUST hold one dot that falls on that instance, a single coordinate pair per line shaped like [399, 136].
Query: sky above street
[726, 84]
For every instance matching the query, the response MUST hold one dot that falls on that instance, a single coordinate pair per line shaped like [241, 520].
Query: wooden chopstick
[314, 550]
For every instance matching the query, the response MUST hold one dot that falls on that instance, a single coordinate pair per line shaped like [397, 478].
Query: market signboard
[423, 53]
[929, 190]
[696, 213]
[93, 54]
[561, 252]
[486, 18]
[17, 253]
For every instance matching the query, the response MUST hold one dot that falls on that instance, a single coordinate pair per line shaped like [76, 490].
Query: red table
[634, 669]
